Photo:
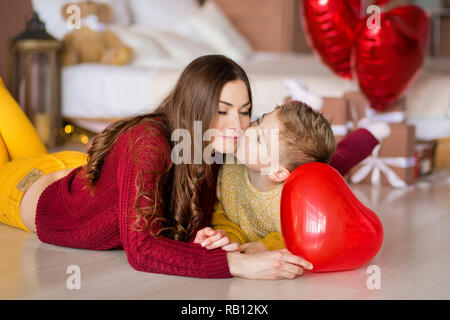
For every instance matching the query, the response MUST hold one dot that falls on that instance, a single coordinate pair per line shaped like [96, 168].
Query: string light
[84, 139]
[68, 129]
[75, 134]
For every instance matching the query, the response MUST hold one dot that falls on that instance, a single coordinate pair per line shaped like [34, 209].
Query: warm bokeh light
[84, 139]
[68, 129]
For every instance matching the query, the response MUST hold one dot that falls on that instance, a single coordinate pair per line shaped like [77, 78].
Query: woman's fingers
[289, 257]
[208, 232]
[234, 246]
[264, 265]
[287, 265]
[291, 268]
[203, 234]
[287, 275]
[218, 235]
[219, 243]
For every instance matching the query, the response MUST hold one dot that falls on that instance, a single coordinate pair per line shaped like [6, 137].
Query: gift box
[442, 154]
[335, 110]
[392, 162]
[359, 108]
[424, 157]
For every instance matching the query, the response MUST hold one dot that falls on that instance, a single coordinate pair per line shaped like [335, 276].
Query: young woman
[127, 193]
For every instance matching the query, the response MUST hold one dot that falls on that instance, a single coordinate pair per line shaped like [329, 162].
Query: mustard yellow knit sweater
[245, 213]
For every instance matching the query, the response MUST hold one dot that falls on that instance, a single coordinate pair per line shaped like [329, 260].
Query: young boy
[249, 194]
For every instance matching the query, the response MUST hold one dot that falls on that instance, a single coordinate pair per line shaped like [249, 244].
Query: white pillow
[49, 12]
[211, 24]
[165, 15]
[146, 51]
[180, 48]
[121, 11]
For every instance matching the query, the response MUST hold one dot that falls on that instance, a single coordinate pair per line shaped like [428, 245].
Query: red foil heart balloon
[323, 221]
[330, 27]
[386, 60]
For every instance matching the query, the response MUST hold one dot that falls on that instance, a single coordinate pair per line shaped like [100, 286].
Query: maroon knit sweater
[67, 215]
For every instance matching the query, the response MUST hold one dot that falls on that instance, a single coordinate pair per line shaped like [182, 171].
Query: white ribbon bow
[299, 91]
[378, 165]
[374, 116]
[341, 129]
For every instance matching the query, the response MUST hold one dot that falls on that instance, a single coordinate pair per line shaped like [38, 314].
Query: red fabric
[67, 215]
[354, 148]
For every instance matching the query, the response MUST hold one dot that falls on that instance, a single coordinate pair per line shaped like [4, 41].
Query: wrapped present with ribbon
[337, 113]
[392, 162]
[335, 109]
[359, 110]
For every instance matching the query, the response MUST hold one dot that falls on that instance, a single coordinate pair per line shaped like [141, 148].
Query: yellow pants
[24, 158]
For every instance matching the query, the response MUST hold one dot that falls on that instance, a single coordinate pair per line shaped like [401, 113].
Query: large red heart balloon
[330, 27]
[323, 221]
[386, 60]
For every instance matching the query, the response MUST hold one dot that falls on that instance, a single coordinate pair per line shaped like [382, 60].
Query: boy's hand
[212, 239]
[252, 247]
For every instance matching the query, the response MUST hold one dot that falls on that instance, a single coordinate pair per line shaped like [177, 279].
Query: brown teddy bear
[91, 43]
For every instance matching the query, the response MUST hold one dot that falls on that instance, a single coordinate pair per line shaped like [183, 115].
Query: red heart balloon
[323, 221]
[387, 59]
[330, 27]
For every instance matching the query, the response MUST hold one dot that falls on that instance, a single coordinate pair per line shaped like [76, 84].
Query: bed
[95, 95]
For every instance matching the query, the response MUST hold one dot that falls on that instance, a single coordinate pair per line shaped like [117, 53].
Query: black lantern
[35, 78]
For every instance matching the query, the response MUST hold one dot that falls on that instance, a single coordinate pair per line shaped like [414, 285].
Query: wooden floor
[414, 261]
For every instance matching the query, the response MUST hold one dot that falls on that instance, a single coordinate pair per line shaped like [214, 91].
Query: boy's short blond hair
[306, 135]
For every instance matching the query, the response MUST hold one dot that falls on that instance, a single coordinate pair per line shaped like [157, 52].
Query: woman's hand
[268, 265]
[212, 239]
[252, 247]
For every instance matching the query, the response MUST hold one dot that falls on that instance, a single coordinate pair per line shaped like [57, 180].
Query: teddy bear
[91, 42]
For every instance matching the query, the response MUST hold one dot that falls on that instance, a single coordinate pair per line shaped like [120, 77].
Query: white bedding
[100, 91]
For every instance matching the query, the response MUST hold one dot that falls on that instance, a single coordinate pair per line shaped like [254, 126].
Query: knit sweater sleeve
[354, 148]
[221, 221]
[150, 253]
[273, 241]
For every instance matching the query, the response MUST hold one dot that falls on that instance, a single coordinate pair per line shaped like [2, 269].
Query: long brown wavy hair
[175, 204]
